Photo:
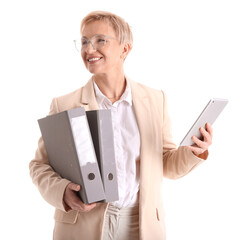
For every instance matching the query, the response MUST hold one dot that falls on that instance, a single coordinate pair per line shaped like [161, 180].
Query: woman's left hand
[202, 146]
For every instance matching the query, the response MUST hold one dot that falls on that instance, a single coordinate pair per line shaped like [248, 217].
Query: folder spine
[100, 123]
[87, 161]
[82, 192]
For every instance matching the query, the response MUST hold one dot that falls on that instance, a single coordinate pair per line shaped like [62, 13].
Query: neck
[111, 85]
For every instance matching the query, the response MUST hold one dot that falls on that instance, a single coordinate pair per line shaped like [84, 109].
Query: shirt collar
[126, 96]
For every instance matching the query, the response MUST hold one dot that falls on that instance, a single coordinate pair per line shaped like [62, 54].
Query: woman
[144, 149]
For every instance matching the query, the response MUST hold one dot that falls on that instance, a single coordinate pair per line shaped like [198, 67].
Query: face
[108, 59]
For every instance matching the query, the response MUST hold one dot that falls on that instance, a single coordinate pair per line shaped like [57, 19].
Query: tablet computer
[208, 115]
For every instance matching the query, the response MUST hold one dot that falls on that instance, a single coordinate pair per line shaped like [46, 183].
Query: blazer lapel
[144, 121]
[88, 99]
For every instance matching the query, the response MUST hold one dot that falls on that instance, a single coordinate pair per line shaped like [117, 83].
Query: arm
[59, 192]
[49, 183]
[177, 162]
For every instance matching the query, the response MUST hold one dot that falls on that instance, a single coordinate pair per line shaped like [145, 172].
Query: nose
[90, 48]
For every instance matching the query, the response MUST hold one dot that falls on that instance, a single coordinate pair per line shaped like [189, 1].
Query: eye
[84, 42]
[100, 40]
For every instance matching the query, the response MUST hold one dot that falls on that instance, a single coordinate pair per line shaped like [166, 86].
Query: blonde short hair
[119, 25]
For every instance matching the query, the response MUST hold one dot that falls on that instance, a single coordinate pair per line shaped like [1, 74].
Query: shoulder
[143, 90]
[74, 95]
[67, 101]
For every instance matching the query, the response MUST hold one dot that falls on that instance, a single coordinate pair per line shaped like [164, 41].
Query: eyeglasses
[97, 42]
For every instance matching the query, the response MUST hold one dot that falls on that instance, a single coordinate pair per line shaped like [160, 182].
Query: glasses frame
[78, 42]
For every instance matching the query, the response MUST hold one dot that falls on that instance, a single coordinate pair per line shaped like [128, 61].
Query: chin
[95, 70]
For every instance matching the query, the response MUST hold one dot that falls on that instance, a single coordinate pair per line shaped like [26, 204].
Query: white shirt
[126, 145]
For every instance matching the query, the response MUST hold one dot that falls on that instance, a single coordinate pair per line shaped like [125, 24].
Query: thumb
[74, 187]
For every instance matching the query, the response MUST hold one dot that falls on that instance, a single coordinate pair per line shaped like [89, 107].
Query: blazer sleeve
[177, 162]
[49, 183]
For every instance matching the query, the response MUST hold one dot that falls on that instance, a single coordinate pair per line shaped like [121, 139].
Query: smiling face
[108, 59]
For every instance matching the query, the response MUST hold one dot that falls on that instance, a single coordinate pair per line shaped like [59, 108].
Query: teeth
[93, 59]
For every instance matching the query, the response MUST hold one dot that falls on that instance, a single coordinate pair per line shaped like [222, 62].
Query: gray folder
[71, 152]
[100, 123]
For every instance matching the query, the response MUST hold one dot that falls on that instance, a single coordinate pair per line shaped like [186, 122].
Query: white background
[193, 50]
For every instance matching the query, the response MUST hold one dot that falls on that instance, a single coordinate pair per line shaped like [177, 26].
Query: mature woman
[144, 149]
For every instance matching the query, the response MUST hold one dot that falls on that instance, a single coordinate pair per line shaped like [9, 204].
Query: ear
[126, 50]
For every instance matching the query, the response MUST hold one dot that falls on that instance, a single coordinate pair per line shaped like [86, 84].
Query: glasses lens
[77, 44]
[98, 41]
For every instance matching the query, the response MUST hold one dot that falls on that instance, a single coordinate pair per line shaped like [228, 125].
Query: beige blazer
[159, 158]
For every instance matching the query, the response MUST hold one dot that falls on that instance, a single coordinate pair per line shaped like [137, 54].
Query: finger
[209, 129]
[196, 150]
[76, 204]
[199, 143]
[74, 187]
[205, 134]
[87, 207]
[71, 199]
[80, 206]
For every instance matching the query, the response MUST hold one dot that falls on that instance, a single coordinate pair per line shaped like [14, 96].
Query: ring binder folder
[100, 123]
[71, 152]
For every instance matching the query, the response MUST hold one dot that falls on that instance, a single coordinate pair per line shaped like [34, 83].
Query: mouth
[93, 59]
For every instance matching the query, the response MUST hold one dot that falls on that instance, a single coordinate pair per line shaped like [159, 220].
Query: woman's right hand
[72, 201]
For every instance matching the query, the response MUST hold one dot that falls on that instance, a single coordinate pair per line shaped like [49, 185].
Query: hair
[121, 28]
